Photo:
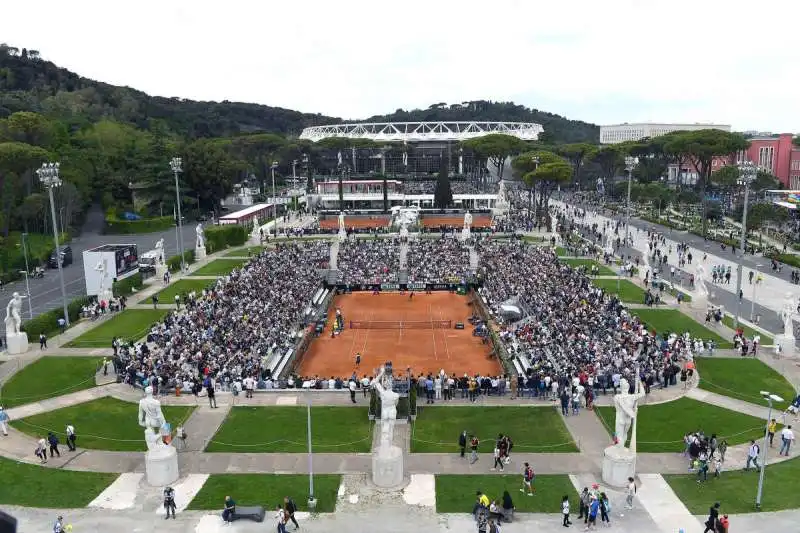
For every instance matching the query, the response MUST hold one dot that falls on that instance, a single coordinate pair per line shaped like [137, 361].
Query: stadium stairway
[473, 259]
[334, 259]
[402, 277]
[332, 277]
[403, 256]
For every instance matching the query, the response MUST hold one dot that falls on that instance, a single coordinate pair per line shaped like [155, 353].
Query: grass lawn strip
[333, 430]
[132, 324]
[576, 263]
[743, 379]
[673, 321]
[219, 267]
[102, 424]
[661, 427]
[246, 252]
[749, 332]
[456, 493]
[49, 377]
[736, 490]
[181, 287]
[533, 429]
[628, 291]
[37, 486]
[267, 490]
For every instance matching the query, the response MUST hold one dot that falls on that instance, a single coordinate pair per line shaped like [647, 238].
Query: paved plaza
[130, 504]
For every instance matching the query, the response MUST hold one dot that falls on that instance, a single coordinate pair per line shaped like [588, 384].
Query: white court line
[433, 333]
[446, 333]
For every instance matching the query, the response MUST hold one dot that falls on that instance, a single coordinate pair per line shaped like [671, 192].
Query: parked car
[66, 257]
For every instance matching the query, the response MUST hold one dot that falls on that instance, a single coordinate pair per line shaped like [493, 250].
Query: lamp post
[294, 173]
[770, 398]
[274, 198]
[630, 164]
[312, 502]
[535, 161]
[307, 170]
[27, 267]
[175, 164]
[753, 299]
[48, 176]
[747, 174]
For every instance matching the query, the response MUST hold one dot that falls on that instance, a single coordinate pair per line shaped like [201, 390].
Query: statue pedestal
[255, 238]
[387, 467]
[105, 296]
[787, 345]
[465, 234]
[161, 269]
[699, 302]
[342, 235]
[17, 343]
[199, 253]
[161, 466]
[618, 465]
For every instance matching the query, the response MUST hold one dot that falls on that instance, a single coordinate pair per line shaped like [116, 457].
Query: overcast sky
[610, 61]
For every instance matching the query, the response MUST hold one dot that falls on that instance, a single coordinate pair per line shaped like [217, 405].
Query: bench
[255, 513]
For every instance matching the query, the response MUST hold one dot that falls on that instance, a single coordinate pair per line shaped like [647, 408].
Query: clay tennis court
[377, 221]
[478, 221]
[424, 350]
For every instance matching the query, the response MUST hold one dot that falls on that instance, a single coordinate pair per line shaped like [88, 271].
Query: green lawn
[132, 324]
[661, 427]
[628, 291]
[267, 490]
[533, 429]
[37, 486]
[736, 490]
[743, 379]
[220, 267]
[283, 430]
[766, 340]
[246, 252]
[561, 251]
[671, 320]
[456, 494]
[103, 424]
[603, 270]
[181, 287]
[49, 377]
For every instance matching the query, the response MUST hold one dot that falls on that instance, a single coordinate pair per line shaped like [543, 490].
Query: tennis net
[401, 324]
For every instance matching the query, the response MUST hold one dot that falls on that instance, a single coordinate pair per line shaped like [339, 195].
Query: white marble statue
[341, 222]
[553, 223]
[403, 231]
[787, 312]
[160, 251]
[700, 281]
[256, 226]
[467, 220]
[626, 405]
[609, 248]
[150, 414]
[154, 440]
[389, 399]
[14, 314]
[201, 237]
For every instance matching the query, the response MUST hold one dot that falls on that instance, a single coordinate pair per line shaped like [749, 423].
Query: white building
[619, 133]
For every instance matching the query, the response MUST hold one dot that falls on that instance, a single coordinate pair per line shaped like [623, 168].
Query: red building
[774, 154]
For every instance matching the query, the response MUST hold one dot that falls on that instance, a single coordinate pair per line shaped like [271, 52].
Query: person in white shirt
[787, 437]
[280, 516]
[41, 450]
[352, 386]
[70, 431]
[437, 387]
[365, 385]
[752, 455]
[249, 385]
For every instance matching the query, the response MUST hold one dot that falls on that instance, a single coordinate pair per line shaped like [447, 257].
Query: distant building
[619, 133]
[771, 153]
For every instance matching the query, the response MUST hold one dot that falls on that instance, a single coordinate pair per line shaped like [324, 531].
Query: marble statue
[700, 281]
[467, 220]
[14, 314]
[153, 440]
[256, 226]
[101, 267]
[389, 400]
[150, 414]
[160, 251]
[553, 223]
[403, 231]
[787, 312]
[626, 406]
[341, 222]
[609, 248]
[201, 237]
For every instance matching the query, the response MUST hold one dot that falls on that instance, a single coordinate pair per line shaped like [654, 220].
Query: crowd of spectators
[456, 187]
[372, 261]
[235, 328]
[442, 260]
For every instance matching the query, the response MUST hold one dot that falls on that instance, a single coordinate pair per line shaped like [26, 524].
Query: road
[46, 292]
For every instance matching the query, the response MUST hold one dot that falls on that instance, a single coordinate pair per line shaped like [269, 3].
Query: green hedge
[127, 286]
[174, 262]
[116, 226]
[221, 237]
[47, 322]
[789, 259]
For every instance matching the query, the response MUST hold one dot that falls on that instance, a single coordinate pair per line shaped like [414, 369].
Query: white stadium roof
[422, 131]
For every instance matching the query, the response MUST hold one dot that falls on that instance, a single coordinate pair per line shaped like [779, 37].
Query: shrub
[117, 226]
[127, 286]
[221, 237]
[174, 262]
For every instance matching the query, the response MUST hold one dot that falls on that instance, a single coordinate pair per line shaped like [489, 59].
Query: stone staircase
[473, 259]
[332, 277]
[334, 259]
[402, 277]
[403, 256]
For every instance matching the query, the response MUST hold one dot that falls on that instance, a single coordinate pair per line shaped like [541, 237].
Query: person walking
[462, 442]
[169, 502]
[498, 460]
[752, 455]
[42, 341]
[70, 432]
[605, 509]
[630, 492]
[565, 511]
[280, 516]
[52, 440]
[583, 505]
[352, 386]
[527, 480]
[4, 423]
[712, 523]
[41, 450]
[290, 507]
[212, 399]
[787, 437]
[473, 446]
[771, 427]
